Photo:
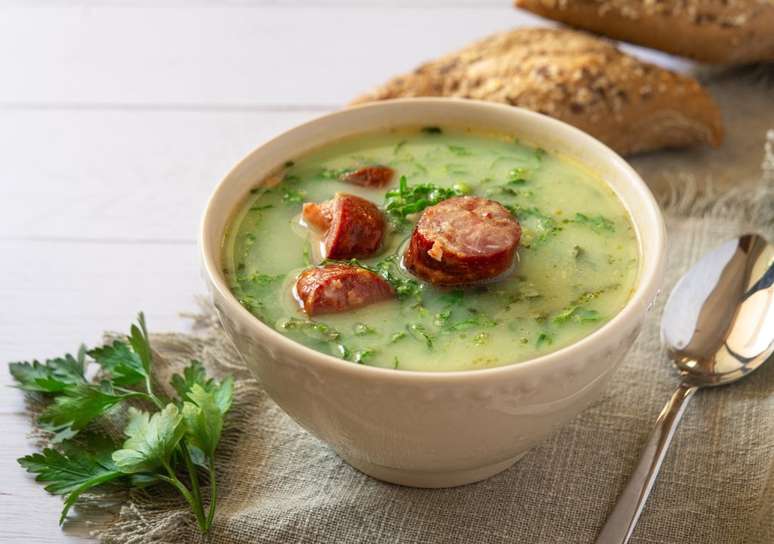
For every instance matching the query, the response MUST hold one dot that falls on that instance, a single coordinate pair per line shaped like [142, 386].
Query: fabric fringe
[684, 199]
[761, 74]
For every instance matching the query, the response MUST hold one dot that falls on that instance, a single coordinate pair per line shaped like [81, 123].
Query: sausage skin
[370, 176]
[353, 227]
[463, 240]
[337, 288]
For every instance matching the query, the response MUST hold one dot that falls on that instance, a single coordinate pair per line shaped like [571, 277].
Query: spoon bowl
[718, 324]
[717, 327]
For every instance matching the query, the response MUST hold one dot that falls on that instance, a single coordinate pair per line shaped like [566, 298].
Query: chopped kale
[476, 321]
[577, 314]
[597, 223]
[312, 329]
[407, 200]
[481, 338]
[396, 336]
[517, 175]
[537, 226]
[453, 297]
[363, 356]
[405, 287]
[361, 329]
[333, 173]
[544, 338]
[459, 150]
[291, 196]
[418, 331]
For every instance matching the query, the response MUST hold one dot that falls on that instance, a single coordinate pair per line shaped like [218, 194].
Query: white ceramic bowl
[430, 429]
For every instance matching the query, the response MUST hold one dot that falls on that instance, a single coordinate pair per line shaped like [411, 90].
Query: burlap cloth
[280, 485]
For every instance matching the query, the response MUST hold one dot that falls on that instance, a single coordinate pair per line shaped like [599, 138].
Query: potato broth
[577, 262]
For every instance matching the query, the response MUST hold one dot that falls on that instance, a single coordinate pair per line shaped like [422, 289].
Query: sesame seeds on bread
[630, 105]
[718, 31]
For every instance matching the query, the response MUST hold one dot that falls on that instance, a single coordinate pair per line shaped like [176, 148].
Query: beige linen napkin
[280, 485]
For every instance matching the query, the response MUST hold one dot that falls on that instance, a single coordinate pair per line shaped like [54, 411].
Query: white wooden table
[118, 117]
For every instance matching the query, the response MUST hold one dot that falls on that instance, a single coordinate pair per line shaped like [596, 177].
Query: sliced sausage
[353, 227]
[338, 288]
[463, 240]
[318, 215]
[370, 176]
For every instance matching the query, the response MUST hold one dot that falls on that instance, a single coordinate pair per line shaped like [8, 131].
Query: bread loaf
[630, 105]
[718, 31]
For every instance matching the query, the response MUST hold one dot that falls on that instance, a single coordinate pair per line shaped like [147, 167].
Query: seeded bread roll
[586, 81]
[719, 31]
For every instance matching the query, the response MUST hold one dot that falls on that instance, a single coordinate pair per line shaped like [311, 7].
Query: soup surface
[576, 266]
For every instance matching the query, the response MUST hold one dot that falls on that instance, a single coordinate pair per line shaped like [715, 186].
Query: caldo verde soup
[518, 252]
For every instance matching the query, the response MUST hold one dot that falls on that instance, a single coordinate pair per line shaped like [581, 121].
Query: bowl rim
[648, 285]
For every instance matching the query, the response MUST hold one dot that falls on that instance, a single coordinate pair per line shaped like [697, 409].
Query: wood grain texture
[126, 175]
[216, 57]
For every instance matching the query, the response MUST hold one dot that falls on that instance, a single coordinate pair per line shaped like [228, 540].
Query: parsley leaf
[151, 439]
[71, 471]
[138, 338]
[78, 407]
[124, 365]
[53, 376]
[156, 442]
[204, 412]
[193, 374]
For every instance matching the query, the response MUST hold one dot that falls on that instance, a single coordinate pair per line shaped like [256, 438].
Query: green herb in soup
[322, 251]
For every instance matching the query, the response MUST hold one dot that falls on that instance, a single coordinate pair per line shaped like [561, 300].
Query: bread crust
[716, 31]
[630, 105]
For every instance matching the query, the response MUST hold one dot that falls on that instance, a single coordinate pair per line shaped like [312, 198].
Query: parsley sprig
[409, 199]
[163, 436]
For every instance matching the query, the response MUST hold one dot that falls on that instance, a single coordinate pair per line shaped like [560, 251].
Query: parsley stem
[213, 492]
[151, 395]
[195, 490]
[195, 506]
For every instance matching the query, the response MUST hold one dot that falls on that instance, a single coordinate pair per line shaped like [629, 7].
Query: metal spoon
[717, 327]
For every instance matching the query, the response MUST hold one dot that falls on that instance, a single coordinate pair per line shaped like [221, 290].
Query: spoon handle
[623, 518]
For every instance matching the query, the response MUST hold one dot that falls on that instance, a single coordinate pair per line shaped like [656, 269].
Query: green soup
[578, 259]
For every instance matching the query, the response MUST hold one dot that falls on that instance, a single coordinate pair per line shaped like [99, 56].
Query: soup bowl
[433, 429]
